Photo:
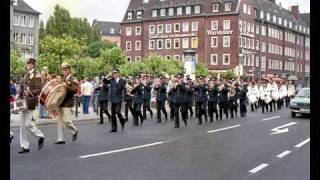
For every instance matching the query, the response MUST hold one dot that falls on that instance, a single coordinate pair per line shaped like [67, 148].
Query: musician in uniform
[224, 97]
[189, 96]
[65, 112]
[243, 99]
[138, 94]
[30, 91]
[290, 93]
[117, 91]
[179, 99]
[161, 90]
[103, 92]
[128, 97]
[201, 98]
[171, 95]
[232, 102]
[147, 97]
[213, 99]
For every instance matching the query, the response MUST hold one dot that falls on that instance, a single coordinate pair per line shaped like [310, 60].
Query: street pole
[260, 46]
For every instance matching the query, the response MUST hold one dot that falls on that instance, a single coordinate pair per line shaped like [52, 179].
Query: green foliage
[114, 57]
[230, 74]
[17, 66]
[201, 70]
[132, 69]
[213, 74]
[42, 30]
[95, 48]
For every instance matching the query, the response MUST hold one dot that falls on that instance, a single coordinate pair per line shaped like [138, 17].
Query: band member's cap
[31, 60]
[201, 77]
[161, 77]
[65, 65]
[180, 76]
[115, 70]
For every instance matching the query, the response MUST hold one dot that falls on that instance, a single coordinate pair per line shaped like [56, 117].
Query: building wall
[115, 39]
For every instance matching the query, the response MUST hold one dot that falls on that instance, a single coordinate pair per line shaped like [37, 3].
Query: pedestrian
[65, 112]
[86, 91]
[161, 90]
[30, 91]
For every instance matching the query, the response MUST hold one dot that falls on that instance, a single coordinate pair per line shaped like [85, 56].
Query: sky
[113, 10]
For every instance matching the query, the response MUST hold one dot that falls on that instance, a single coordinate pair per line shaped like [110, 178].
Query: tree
[114, 57]
[230, 74]
[201, 70]
[95, 48]
[60, 23]
[42, 31]
[173, 67]
[17, 66]
[154, 65]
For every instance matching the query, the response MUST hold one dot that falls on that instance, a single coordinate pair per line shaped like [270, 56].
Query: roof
[106, 26]
[24, 7]
[306, 18]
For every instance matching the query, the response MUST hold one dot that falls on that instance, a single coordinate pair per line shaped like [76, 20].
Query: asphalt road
[237, 149]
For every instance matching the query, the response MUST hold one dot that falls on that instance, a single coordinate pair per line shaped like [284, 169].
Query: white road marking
[258, 168]
[278, 130]
[217, 130]
[267, 119]
[302, 143]
[120, 150]
[283, 154]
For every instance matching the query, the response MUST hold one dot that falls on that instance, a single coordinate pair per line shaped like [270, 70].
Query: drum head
[56, 98]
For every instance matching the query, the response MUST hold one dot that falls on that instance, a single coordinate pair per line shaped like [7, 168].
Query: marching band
[211, 97]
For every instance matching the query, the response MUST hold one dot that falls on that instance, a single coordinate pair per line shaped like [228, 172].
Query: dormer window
[274, 18]
[227, 6]
[261, 14]
[145, 1]
[129, 15]
[188, 10]
[111, 30]
[163, 12]
[171, 11]
[15, 2]
[139, 14]
[280, 20]
[285, 23]
[268, 16]
[179, 11]
[215, 7]
[197, 9]
[154, 13]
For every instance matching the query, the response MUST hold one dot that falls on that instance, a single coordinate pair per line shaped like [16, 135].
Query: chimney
[280, 5]
[295, 11]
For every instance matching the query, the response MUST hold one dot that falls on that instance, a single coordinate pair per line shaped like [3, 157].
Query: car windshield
[304, 93]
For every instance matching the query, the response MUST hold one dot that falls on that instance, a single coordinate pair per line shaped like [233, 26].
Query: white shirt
[86, 89]
[117, 80]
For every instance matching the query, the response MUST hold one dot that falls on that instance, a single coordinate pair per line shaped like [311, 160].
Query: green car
[301, 102]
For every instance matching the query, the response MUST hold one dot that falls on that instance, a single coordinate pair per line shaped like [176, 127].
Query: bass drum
[275, 96]
[53, 94]
[252, 99]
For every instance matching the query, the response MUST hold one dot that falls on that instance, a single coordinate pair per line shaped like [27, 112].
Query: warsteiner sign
[157, 36]
[213, 33]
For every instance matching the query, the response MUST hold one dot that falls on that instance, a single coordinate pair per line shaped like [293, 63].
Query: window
[257, 29]
[214, 42]
[23, 20]
[179, 11]
[244, 9]
[280, 20]
[261, 14]
[263, 63]
[226, 59]
[137, 58]
[162, 12]
[145, 1]
[138, 45]
[214, 25]
[160, 29]
[151, 44]
[30, 39]
[226, 41]
[16, 37]
[16, 19]
[263, 47]
[159, 44]
[197, 9]
[249, 10]
[27, 39]
[215, 7]
[138, 31]
[171, 11]
[188, 10]
[240, 25]
[252, 60]
[257, 61]
[226, 24]
[154, 13]
[185, 43]
[168, 56]
[168, 28]
[263, 30]
[177, 27]
[168, 43]
[274, 18]
[185, 27]
[128, 31]
[176, 43]
[214, 59]
[194, 42]
[252, 44]
[23, 38]
[194, 26]
[139, 14]
[129, 15]
[244, 26]
[227, 6]
[268, 16]
[30, 24]
[129, 59]
[111, 30]
[248, 43]
[252, 27]
[177, 57]
[240, 41]
[285, 23]
[152, 29]
[128, 46]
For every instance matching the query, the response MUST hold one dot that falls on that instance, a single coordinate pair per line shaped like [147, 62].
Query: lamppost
[77, 57]
[240, 64]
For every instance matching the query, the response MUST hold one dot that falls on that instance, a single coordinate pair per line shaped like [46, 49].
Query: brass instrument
[129, 89]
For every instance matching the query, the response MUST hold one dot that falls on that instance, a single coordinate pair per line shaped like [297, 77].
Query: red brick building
[272, 40]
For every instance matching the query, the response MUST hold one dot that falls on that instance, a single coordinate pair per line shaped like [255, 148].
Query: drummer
[65, 113]
[30, 90]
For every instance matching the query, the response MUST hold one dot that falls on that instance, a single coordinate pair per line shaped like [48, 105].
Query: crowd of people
[205, 97]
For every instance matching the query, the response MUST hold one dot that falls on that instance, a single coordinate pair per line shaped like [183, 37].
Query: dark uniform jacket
[138, 92]
[180, 93]
[102, 93]
[72, 89]
[34, 82]
[224, 93]
[189, 93]
[147, 91]
[214, 94]
[201, 93]
[161, 92]
[117, 90]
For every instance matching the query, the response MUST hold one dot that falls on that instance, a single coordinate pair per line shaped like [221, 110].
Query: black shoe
[100, 123]
[185, 122]
[166, 117]
[75, 136]
[11, 137]
[176, 126]
[23, 150]
[60, 142]
[113, 131]
[122, 122]
[159, 121]
[40, 143]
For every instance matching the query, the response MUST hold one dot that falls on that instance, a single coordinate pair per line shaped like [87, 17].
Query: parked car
[301, 102]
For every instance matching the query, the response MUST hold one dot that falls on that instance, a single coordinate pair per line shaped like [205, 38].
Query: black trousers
[272, 106]
[161, 107]
[116, 111]
[254, 106]
[171, 106]
[189, 108]
[104, 109]
[182, 108]
[243, 107]
[264, 106]
[287, 99]
[137, 114]
[212, 109]
[223, 106]
[201, 108]
[279, 103]
[233, 107]
[128, 106]
[146, 106]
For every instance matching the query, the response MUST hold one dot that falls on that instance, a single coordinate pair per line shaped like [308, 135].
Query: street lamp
[240, 64]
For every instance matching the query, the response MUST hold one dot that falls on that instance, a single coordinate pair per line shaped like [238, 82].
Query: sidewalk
[15, 118]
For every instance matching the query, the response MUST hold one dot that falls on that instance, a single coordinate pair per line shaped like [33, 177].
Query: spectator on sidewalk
[86, 91]
[13, 91]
